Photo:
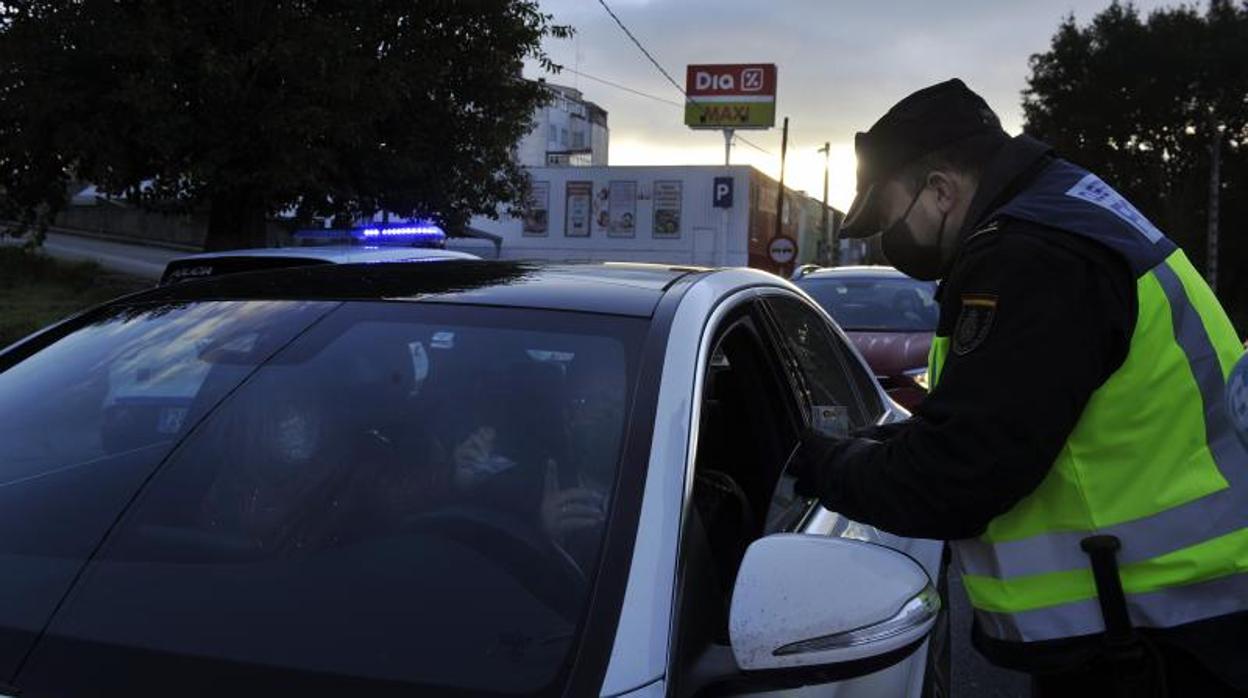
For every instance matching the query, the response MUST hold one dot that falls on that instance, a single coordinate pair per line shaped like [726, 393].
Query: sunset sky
[841, 65]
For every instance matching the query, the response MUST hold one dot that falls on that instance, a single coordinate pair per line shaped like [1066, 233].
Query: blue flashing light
[415, 235]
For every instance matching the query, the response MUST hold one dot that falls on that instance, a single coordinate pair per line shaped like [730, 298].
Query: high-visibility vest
[1152, 460]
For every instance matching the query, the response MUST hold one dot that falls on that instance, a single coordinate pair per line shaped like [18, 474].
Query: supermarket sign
[730, 96]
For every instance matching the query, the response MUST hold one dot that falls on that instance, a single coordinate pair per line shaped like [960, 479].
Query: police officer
[1078, 381]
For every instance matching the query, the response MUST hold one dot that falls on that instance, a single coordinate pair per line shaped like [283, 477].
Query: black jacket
[986, 436]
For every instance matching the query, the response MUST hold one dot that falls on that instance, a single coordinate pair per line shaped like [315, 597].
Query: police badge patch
[974, 322]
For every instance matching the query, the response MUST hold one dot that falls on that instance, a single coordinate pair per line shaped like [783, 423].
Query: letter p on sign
[722, 193]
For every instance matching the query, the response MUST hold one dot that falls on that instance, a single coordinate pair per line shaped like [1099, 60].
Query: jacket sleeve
[992, 428]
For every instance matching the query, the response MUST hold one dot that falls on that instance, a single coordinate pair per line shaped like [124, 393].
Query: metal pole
[728, 133]
[827, 237]
[784, 147]
[1215, 186]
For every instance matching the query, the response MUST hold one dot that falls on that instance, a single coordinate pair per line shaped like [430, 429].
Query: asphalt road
[142, 261]
[973, 676]
[135, 260]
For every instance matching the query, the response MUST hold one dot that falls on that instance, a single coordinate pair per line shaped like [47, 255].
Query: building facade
[708, 215]
[570, 131]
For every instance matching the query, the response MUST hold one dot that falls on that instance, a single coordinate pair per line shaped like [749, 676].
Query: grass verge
[36, 290]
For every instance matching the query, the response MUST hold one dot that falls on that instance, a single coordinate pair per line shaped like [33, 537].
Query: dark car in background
[889, 316]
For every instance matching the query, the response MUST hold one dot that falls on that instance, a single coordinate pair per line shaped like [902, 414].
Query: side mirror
[838, 608]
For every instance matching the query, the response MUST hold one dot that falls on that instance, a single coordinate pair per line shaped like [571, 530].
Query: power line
[626, 88]
[642, 48]
[755, 147]
[660, 69]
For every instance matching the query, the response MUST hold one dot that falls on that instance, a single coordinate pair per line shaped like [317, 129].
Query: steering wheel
[541, 567]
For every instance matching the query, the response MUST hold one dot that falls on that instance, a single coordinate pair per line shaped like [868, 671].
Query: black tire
[937, 675]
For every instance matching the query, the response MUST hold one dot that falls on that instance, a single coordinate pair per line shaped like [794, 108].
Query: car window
[89, 413]
[876, 303]
[828, 385]
[408, 492]
[748, 430]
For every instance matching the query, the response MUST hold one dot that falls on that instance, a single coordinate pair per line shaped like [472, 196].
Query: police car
[464, 478]
[366, 245]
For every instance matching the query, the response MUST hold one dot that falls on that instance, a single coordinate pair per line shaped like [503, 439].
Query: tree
[251, 107]
[1139, 102]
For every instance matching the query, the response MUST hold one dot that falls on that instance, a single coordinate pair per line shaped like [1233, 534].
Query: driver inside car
[575, 473]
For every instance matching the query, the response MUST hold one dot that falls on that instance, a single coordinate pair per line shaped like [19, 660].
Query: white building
[569, 131]
[707, 215]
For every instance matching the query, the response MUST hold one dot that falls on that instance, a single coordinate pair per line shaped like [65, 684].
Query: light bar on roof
[413, 234]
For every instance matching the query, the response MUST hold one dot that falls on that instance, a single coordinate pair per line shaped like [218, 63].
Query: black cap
[925, 121]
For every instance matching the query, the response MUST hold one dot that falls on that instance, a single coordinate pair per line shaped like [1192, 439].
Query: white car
[467, 478]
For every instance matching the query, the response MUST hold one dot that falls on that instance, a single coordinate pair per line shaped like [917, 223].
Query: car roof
[621, 289]
[859, 271]
[335, 254]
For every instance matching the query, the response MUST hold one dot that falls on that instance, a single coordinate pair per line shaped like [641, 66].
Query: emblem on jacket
[974, 322]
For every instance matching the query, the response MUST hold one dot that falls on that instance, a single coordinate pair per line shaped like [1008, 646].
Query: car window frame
[746, 305]
[845, 355]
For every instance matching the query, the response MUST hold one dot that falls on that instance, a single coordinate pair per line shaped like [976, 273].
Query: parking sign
[721, 196]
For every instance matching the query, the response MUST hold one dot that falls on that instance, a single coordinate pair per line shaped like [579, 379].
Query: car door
[826, 373]
[748, 427]
[758, 390]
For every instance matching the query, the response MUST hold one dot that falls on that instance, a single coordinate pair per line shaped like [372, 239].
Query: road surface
[123, 258]
[973, 676]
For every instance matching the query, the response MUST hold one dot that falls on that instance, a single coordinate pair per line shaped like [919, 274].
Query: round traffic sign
[1237, 398]
[782, 250]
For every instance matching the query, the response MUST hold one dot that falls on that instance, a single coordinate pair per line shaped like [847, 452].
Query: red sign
[736, 80]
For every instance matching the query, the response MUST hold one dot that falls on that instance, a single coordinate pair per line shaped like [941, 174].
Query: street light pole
[826, 234]
[784, 148]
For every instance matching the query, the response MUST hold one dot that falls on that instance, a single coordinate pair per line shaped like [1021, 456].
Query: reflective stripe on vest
[1153, 460]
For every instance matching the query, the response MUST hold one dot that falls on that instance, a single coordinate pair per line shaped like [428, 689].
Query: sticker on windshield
[831, 421]
[443, 340]
[1093, 190]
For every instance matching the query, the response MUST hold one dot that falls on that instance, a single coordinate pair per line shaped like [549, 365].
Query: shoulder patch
[974, 322]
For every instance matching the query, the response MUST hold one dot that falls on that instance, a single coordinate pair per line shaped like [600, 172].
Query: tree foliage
[256, 106]
[1138, 100]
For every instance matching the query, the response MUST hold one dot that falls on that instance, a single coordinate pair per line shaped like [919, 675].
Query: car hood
[892, 353]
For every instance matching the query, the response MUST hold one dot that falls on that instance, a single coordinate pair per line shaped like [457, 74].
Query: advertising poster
[667, 198]
[622, 210]
[578, 209]
[537, 213]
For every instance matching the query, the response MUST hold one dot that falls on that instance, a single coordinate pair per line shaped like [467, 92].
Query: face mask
[904, 251]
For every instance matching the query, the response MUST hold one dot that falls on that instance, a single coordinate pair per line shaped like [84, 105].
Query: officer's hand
[810, 464]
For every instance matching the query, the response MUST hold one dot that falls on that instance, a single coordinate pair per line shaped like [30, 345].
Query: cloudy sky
[841, 64]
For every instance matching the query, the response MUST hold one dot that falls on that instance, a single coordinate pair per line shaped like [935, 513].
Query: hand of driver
[569, 510]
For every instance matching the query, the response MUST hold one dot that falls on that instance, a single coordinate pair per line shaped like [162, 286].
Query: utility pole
[728, 134]
[1215, 187]
[784, 147]
[827, 234]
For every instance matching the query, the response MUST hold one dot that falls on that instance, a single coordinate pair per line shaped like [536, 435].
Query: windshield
[90, 410]
[876, 304]
[407, 492]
